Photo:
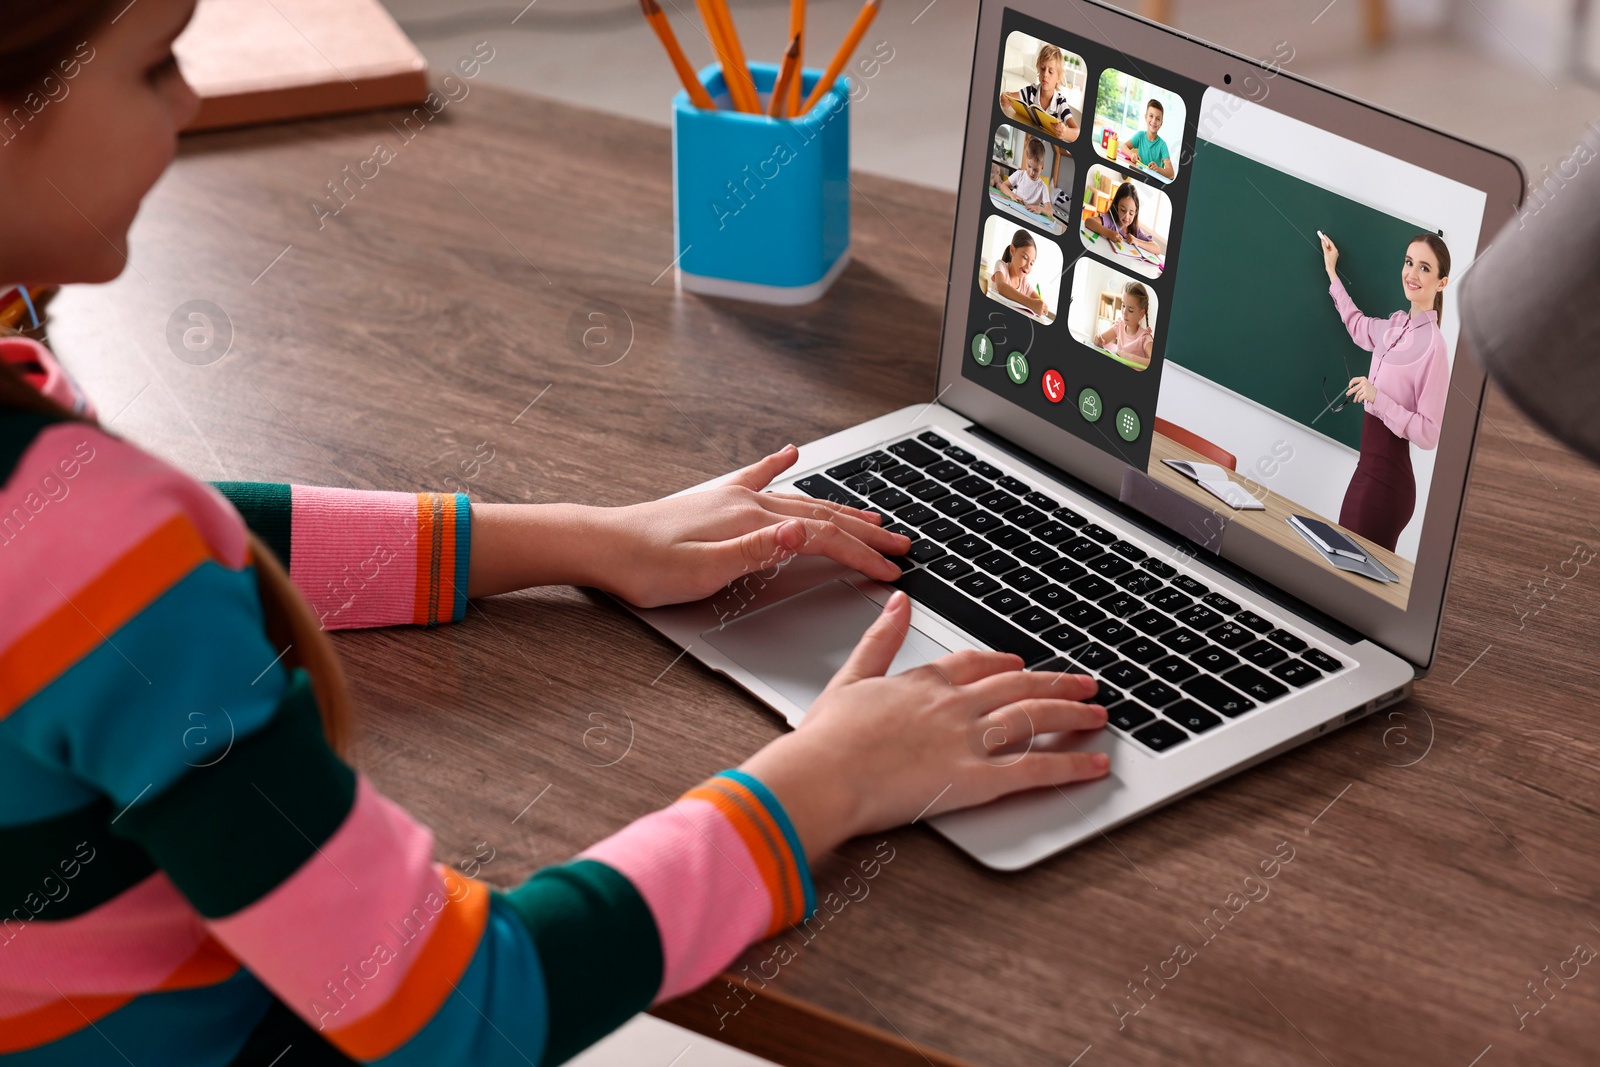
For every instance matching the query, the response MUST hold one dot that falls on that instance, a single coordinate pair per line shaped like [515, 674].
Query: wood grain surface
[1272, 521]
[1443, 854]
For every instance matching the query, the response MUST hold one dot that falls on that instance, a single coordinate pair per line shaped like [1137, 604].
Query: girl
[1009, 277]
[1048, 95]
[1403, 393]
[1130, 335]
[271, 907]
[1120, 222]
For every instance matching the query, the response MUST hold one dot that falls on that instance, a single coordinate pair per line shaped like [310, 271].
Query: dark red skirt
[1383, 491]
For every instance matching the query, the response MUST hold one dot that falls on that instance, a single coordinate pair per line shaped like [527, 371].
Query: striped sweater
[193, 877]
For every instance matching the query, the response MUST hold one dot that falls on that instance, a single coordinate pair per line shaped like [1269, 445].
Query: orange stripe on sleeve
[445, 592]
[111, 598]
[760, 850]
[431, 977]
[419, 613]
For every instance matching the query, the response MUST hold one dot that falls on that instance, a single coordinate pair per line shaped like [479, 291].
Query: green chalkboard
[1250, 308]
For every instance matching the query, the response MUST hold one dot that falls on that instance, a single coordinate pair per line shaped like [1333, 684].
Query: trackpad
[797, 645]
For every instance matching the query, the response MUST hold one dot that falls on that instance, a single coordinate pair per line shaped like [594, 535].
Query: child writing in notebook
[1049, 95]
[1120, 221]
[1009, 276]
[1028, 186]
[1129, 335]
[270, 907]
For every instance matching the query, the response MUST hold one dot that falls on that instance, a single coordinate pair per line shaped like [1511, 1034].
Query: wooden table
[1272, 521]
[1443, 854]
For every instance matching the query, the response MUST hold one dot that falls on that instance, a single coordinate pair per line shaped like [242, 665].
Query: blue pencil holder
[761, 205]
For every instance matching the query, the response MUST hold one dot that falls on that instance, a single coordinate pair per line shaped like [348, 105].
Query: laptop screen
[1250, 309]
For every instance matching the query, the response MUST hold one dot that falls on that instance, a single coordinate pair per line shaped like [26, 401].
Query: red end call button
[1053, 385]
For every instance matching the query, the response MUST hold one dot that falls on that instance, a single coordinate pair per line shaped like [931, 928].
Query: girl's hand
[1361, 390]
[1330, 258]
[876, 752]
[686, 548]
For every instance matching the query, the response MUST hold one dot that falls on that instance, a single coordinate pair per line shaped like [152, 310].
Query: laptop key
[1140, 583]
[1111, 632]
[1025, 516]
[1142, 650]
[946, 470]
[851, 467]
[1170, 600]
[1228, 635]
[1023, 578]
[1064, 637]
[1297, 673]
[1189, 585]
[1104, 695]
[960, 455]
[1213, 694]
[1040, 501]
[1182, 641]
[1253, 683]
[917, 515]
[1199, 617]
[1093, 587]
[928, 437]
[1251, 620]
[1033, 619]
[1035, 553]
[1160, 568]
[1121, 605]
[918, 455]
[942, 530]
[1098, 533]
[865, 484]
[1008, 536]
[1213, 659]
[925, 551]
[1322, 661]
[1006, 601]
[1151, 622]
[1014, 485]
[1160, 735]
[978, 584]
[927, 490]
[1092, 656]
[900, 475]
[1287, 640]
[999, 500]
[985, 468]
[971, 485]
[1263, 653]
[950, 568]
[1174, 669]
[891, 498]
[1052, 596]
[1081, 549]
[1054, 663]
[1081, 614]
[1063, 571]
[1128, 716]
[1110, 566]
[1192, 716]
[1068, 517]
[954, 505]
[985, 626]
[1052, 532]
[1156, 693]
[826, 489]
[981, 521]
[1123, 674]
[968, 546]
[1128, 550]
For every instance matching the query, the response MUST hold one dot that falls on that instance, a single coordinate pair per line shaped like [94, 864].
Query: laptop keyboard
[1021, 573]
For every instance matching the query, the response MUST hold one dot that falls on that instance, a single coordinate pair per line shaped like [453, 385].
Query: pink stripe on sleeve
[672, 856]
[354, 555]
[325, 923]
[76, 501]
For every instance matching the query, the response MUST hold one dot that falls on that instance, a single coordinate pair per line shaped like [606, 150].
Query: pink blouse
[1410, 369]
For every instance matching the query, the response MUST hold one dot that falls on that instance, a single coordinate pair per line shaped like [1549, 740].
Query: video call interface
[1250, 309]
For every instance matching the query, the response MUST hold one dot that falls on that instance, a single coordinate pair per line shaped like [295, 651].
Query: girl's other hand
[1362, 391]
[687, 547]
[1330, 258]
[875, 752]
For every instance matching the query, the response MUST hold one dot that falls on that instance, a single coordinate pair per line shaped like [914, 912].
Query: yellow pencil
[869, 11]
[724, 39]
[669, 40]
[797, 28]
[779, 106]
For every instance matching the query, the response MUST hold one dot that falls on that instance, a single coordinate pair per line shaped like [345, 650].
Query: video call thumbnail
[1138, 125]
[1030, 179]
[1042, 86]
[1113, 314]
[1019, 270]
[1125, 221]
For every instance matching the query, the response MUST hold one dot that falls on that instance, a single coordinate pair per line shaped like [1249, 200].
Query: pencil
[787, 76]
[869, 11]
[725, 40]
[797, 28]
[669, 40]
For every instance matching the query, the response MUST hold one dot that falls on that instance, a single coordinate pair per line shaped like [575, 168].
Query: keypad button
[1297, 673]
[1156, 693]
[1213, 659]
[969, 546]
[1182, 640]
[1151, 622]
[1201, 618]
[950, 568]
[1129, 716]
[1228, 635]
[1033, 619]
[1123, 674]
[1068, 517]
[1322, 661]
[1287, 640]
[1174, 669]
[1263, 654]
[1159, 568]
[1014, 485]
[999, 500]
[997, 563]
[925, 551]
[1220, 603]
[954, 505]
[928, 437]
[1023, 578]
[1099, 533]
[1121, 605]
[1094, 656]
[1007, 536]
[1006, 601]
[1251, 620]
[978, 585]
[1160, 735]
[1064, 637]
[1253, 683]
[1052, 532]
[1217, 696]
[1191, 716]
[1189, 585]
[981, 522]
[1064, 571]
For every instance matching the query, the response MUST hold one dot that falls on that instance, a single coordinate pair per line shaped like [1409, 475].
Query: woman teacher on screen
[1403, 392]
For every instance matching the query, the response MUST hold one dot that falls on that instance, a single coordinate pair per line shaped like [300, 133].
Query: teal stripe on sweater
[268, 509]
[463, 555]
[164, 694]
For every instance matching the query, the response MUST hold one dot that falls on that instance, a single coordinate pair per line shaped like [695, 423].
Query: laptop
[1071, 366]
